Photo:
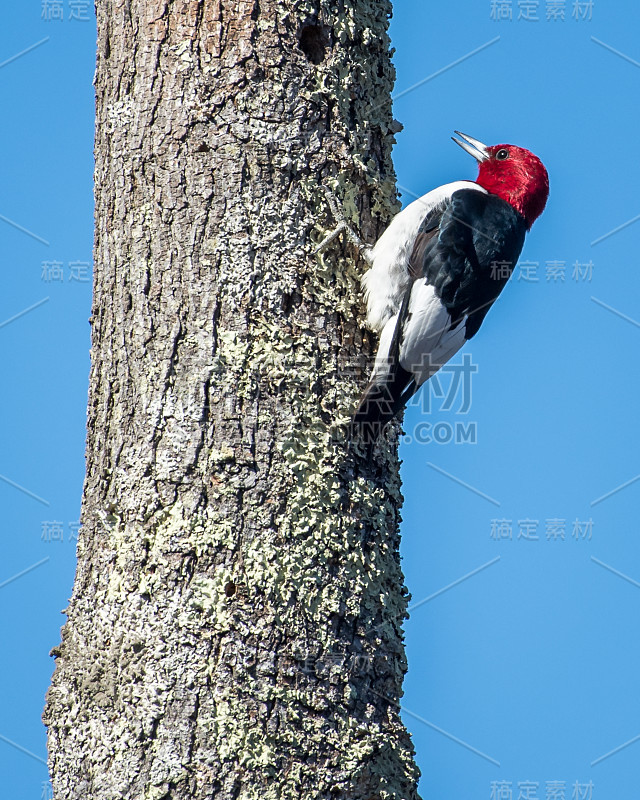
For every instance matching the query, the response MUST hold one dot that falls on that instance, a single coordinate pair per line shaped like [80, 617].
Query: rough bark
[235, 625]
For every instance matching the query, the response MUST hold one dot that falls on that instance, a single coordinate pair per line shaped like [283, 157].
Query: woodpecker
[438, 268]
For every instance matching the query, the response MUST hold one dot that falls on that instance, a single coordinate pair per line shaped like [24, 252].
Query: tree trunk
[235, 625]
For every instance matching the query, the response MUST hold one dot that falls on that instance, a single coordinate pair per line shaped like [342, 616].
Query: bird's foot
[342, 227]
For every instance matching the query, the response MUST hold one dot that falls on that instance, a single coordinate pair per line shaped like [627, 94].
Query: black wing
[480, 237]
[467, 251]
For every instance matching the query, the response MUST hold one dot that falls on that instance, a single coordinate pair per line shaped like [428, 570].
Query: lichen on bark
[235, 624]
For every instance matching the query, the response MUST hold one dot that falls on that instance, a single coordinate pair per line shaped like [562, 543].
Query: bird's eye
[502, 154]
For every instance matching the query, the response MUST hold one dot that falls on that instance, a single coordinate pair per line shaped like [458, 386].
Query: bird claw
[329, 238]
[342, 227]
[334, 205]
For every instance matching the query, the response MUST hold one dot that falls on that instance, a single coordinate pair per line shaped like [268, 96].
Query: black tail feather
[381, 402]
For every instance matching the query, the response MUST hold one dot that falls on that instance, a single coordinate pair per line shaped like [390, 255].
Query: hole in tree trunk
[313, 43]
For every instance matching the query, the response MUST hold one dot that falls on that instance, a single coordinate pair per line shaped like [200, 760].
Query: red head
[512, 173]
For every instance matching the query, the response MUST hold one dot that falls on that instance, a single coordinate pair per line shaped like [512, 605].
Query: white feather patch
[427, 340]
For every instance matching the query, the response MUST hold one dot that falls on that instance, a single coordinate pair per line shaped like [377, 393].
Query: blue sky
[522, 650]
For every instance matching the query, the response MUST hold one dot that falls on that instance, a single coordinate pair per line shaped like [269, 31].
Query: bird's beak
[472, 146]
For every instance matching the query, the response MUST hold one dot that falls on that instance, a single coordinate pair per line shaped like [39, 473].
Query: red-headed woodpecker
[439, 267]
